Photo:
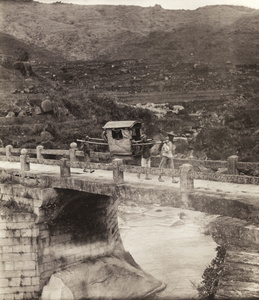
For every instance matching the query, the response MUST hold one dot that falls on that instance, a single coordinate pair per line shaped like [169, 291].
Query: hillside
[92, 63]
[213, 34]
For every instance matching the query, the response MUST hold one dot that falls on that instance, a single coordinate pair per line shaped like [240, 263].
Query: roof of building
[120, 124]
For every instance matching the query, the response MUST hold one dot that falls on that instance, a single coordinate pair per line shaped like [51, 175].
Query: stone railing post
[118, 175]
[146, 172]
[140, 171]
[25, 164]
[191, 155]
[38, 151]
[64, 169]
[186, 181]
[232, 165]
[72, 151]
[8, 150]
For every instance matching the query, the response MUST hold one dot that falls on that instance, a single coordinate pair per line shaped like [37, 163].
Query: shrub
[111, 110]
[208, 287]
[7, 62]
[22, 55]
[217, 142]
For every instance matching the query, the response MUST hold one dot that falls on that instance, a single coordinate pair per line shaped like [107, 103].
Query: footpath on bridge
[201, 185]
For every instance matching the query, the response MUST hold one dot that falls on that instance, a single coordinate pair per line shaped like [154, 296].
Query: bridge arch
[87, 216]
[75, 226]
[57, 231]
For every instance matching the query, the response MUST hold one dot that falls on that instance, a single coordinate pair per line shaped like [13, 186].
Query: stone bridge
[55, 216]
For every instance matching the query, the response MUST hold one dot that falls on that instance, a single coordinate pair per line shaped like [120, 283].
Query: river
[171, 244]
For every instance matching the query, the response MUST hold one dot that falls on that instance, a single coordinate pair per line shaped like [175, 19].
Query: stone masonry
[44, 230]
[19, 272]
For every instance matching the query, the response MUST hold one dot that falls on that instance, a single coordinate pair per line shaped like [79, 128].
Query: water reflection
[171, 244]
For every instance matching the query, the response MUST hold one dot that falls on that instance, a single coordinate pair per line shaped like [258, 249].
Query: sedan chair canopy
[120, 135]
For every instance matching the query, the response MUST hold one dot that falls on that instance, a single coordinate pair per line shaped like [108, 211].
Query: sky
[166, 4]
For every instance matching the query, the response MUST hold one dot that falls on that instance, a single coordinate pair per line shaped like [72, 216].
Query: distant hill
[14, 47]
[212, 34]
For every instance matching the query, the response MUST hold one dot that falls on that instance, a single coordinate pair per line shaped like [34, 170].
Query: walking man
[86, 149]
[167, 153]
[145, 156]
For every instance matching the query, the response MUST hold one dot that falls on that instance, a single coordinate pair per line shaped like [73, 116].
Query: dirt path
[211, 186]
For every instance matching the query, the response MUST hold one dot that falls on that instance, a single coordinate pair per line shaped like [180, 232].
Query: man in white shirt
[167, 153]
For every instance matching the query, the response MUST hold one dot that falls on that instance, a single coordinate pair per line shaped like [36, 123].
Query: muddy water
[171, 244]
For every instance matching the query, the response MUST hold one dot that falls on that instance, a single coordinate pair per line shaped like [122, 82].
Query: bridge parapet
[229, 170]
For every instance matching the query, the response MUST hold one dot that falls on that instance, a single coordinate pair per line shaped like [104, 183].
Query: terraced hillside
[93, 63]
[218, 103]
[132, 79]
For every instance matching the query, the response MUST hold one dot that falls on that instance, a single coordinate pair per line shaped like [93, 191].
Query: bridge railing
[12, 154]
[72, 158]
[211, 176]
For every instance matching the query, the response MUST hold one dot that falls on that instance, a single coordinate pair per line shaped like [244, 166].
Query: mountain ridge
[78, 32]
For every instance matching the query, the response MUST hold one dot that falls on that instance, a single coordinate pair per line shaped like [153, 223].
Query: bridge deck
[130, 178]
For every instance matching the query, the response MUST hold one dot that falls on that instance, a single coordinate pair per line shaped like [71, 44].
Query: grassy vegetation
[92, 111]
[210, 278]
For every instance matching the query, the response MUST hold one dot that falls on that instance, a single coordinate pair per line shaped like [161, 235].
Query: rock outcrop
[240, 275]
[109, 277]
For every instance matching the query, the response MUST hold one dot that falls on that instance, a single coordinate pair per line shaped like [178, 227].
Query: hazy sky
[166, 4]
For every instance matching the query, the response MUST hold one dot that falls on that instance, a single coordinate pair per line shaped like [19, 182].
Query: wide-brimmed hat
[171, 133]
[143, 137]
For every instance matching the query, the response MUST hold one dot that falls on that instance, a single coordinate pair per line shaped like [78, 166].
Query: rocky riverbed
[171, 244]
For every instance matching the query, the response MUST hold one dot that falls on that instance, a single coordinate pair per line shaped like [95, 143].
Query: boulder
[22, 113]
[106, 278]
[46, 106]
[177, 109]
[37, 110]
[11, 114]
[46, 136]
